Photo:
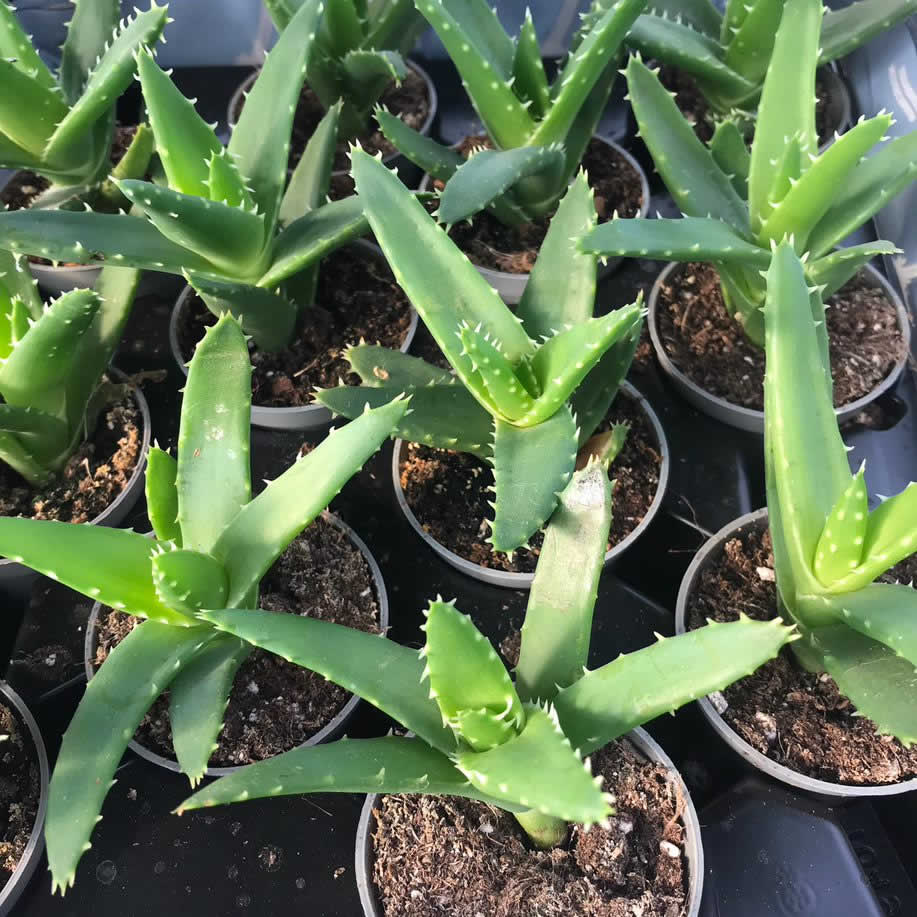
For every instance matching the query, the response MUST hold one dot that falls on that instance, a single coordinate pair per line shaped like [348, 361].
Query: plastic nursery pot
[303, 417]
[644, 744]
[748, 418]
[408, 172]
[512, 580]
[511, 286]
[15, 578]
[10, 892]
[710, 552]
[331, 730]
[838, 108]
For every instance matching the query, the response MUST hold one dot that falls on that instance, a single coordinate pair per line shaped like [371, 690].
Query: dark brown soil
[793, 716]
[708, 346]
[452, 857]
[275, 705]
[692, 104]
[20, 791]
[489, 243]
[449, 492]
[357, 299]
[92, 479]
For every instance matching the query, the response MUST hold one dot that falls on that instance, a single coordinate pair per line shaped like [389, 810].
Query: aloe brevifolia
[52, 359]
[61, 127]
[359, 52]
[212, 545]
[529, 388]
[828, 547]
[736, 205]
[730, 53]
[539, 131]
[518, 745]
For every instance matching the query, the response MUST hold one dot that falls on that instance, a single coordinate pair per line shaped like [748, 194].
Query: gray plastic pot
[747, 418]
[331, 730]
[304, 417]
[642, 743]
[524, 580]
[710, 552]
[10, 892]
[408, 172]
[16, 579]
[512, 286]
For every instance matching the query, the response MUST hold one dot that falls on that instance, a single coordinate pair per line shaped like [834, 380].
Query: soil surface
[357, 299]
[453, 857]
[708, 346]
[93, 478]
[488, 243]
[795, 717]
[20, 791]
[449, 492]
[275, 705]
[692, 104]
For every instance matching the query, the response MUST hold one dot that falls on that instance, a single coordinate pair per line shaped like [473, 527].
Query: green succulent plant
[737, 205]
[62, 126]
[52, 359]
[828, 547]
[729, 53]
[359, 52]
[518, 745]
[529, 388]
[224, 220]
[539, 130]
[212, 545]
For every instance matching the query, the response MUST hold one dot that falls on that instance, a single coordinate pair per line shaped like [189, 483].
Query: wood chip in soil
[20, 790]
[93, 478]
[795, 717]
[357, 299]
[443, 856]
[275, 705]
[449, 492]
[488, 243]
[707, 344]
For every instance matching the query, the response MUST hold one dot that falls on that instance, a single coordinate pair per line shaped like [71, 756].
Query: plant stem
[545, 831]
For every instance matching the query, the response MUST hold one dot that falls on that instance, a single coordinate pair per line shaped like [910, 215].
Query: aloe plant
[539, 131]
[359, 52]
[223, 220]
[729, 53]
[828, 547]
[736, 205]
[529, 388]
[61, 127]
[517, 745]
[51, 363]
[212, 545]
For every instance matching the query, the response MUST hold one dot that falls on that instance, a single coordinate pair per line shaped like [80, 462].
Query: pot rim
[425, 128]
[812, 785]
[512, 580]
[749, 419]
[644, 743]
[299, 417]
[331, 730]
[130, 493]
[18, 881]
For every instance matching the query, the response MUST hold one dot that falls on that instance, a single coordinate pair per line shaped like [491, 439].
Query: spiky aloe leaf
[369, 73]
[162, 496]
[260, 141]
[495, 384]
[610, 701]
[734, 15]
[701, 15]
[225, 184]
[311, 179]
[479, 22]
[383, 673]
[14, 322]
[848, 28]
[386, 765]
[532, 465]
[398, 25]
[840, 546]
[29, 111]
[281, 12]
[787, 174]
[380, 366]
[13, 156]
[18, 283]
[530, 79]
[698, 185]
[135, 673]
[731, 154]
[43, 434]
[834, 270]
[342, 26]
[558, 619]
[749, 49]
[437, 160]
[17, 48]
[20, 459]
[188, 580]
[214, 477]
[89, 30]
[257, 535]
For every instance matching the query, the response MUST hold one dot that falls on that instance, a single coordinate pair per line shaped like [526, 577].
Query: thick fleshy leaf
[369, 73]
[495, 384]
[840, 546]
[381, 366]
[89, 30]
[438, 161]
[701, 15]
[731, 154]
[749, 50]
[530, 79]
[225, 184]
[849, 27]
[188, 580]
[479, 22]
[162, 495]
[17, 48]
[29, 111]
[834, 270]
